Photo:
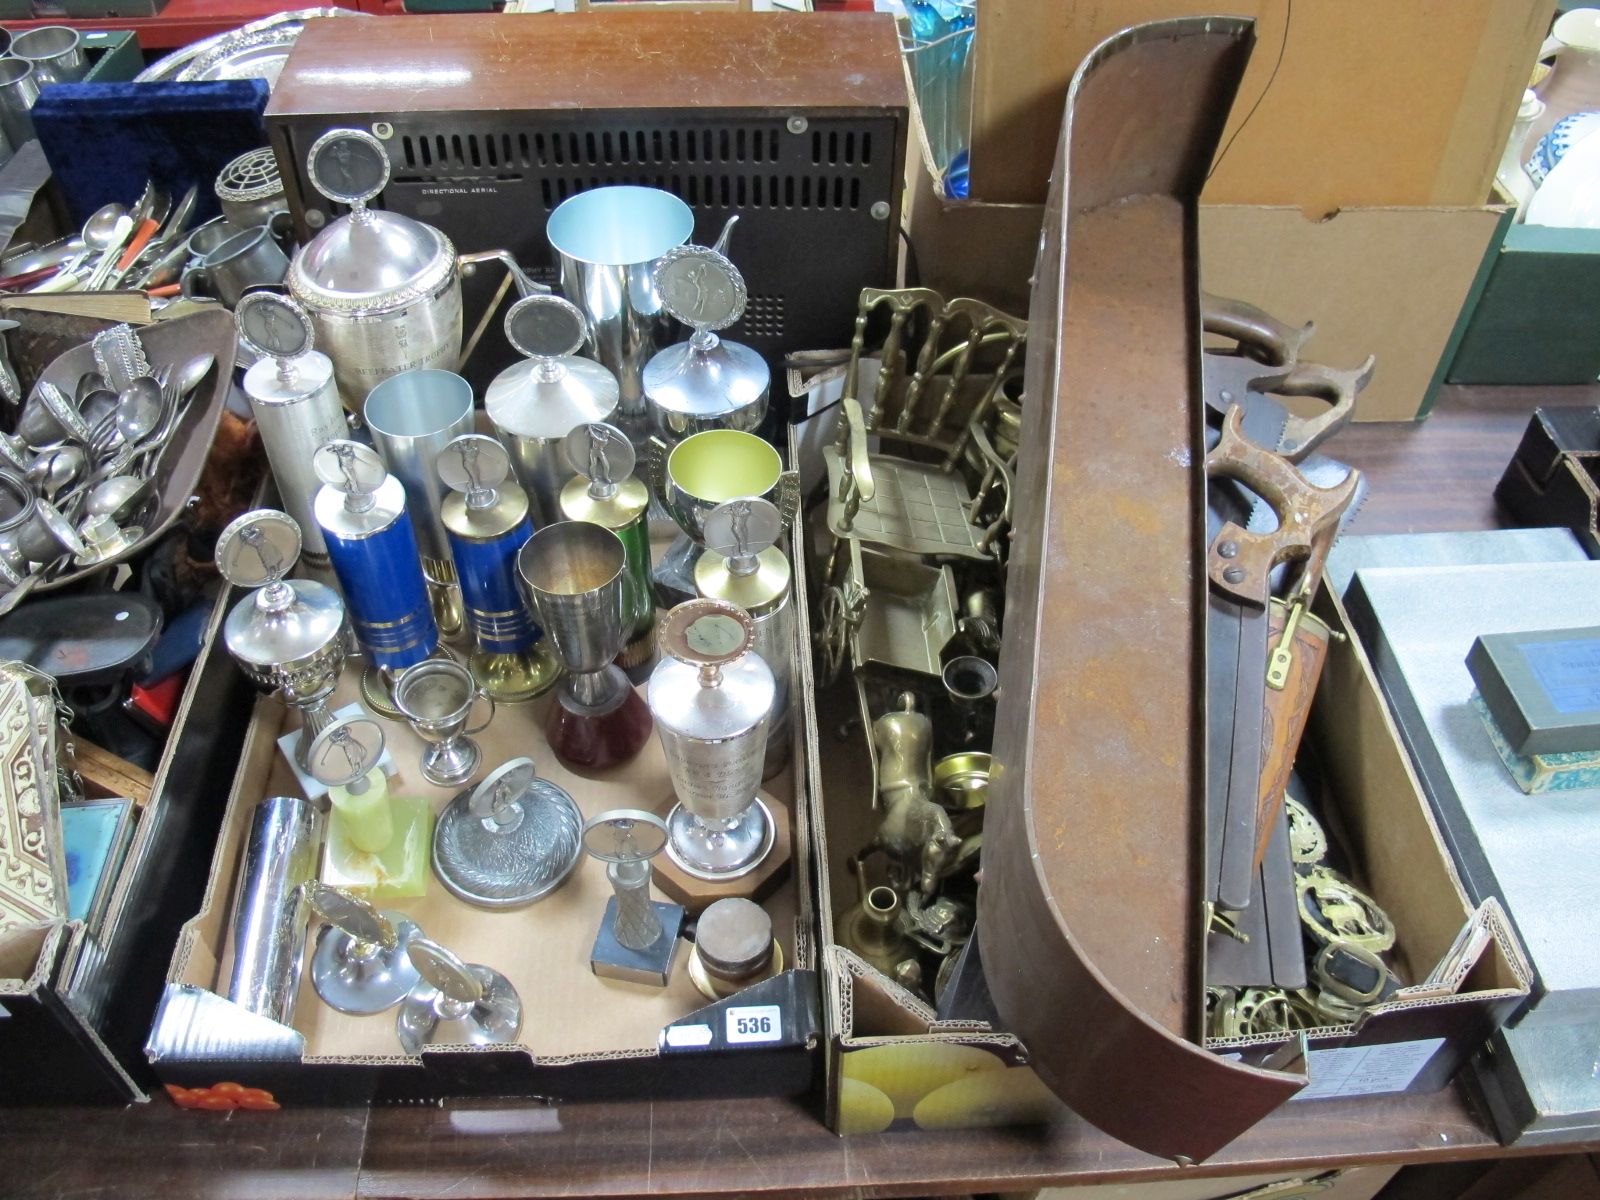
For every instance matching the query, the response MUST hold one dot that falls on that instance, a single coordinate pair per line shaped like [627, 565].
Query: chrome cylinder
[608, 241]
[269, 915]
[413, 416]
[19, 88]
[296, 416]
[55, 52]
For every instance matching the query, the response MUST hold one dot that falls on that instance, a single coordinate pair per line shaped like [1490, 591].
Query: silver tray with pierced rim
[253, 51]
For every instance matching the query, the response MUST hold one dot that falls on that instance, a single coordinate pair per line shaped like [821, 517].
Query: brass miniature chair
[942, 367]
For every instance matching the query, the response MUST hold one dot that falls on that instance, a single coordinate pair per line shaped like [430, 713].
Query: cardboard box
[892, 1065]
[74, 1006]
[583, 1037]
[1347, 103]
[1394, 282]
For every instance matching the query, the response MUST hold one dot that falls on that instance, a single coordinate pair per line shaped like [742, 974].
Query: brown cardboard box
[1346, 103]
[893, 1065]
[1386, 281]
[582, 1036]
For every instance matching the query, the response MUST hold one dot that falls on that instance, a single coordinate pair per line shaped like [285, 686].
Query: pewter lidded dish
[383, 290]
[705, 382]
[511, 840]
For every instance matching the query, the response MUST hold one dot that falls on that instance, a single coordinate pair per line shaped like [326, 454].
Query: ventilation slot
[831, 148]
[436, 158]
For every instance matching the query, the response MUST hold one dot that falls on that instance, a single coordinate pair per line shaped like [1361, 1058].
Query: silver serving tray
[262, 45]
[177, 473]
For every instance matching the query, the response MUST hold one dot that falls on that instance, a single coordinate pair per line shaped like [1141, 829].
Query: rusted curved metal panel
[1090, 916]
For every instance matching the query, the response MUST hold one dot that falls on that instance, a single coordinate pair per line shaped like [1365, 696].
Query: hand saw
[1240, 563]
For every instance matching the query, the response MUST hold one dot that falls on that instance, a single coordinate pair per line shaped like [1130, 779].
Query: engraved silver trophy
[295, 402]
[509, 841]
[638, 936]
[290, 634]
[711, 697]
[360, 965]
[456, 1003]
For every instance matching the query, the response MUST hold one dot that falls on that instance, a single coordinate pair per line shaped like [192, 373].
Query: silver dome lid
[369, 261]
[705, 376]
[552, 391]
[284, 620]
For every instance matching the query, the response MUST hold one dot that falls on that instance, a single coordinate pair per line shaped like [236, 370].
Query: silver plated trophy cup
[711, 697]
[295, 402]
[289, 635]
[535, 403]
[436, 697]
[701, 472]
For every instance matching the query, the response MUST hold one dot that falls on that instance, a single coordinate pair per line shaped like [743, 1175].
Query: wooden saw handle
[1260, 335]
[1239, 562]
[1338, 389]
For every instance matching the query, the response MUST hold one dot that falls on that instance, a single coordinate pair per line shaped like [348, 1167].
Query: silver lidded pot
[535, 403]
[288, 635]
[705, 382]
[383, 290]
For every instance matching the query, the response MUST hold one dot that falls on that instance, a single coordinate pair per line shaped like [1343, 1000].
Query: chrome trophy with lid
[707, 382]
[536, 403]
[711, 697]
[289, 634]
[382, 289]
[361, 509]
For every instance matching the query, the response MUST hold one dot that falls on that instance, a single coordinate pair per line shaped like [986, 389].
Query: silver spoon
[139, 410]
[98, 406]
[105, 231]
[56, 470]
[120, 497]
[89, 383]
[192, 371]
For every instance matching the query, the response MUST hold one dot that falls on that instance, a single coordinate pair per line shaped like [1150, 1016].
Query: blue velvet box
[104, 140]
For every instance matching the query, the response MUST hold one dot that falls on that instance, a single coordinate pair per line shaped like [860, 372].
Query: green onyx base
[398, 872]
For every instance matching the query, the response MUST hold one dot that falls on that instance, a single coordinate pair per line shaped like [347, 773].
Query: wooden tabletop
[1434, 476]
